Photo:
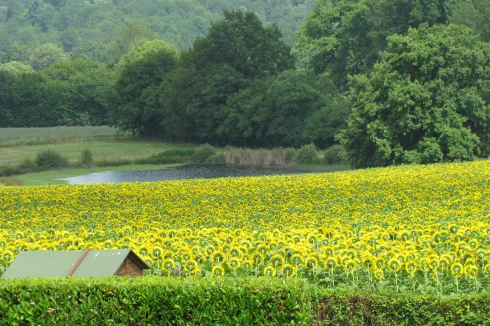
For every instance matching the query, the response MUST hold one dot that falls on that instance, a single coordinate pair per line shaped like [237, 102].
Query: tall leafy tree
[275, 111]
[346, 37]
[46, 55]
[131, 35]
[426, 101]
[474, 14]
[236, 50]
[133, 99]
[82, 84]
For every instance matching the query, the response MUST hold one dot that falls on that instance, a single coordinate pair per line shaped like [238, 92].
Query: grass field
[103, 150]
[52, 177]
[8, 134]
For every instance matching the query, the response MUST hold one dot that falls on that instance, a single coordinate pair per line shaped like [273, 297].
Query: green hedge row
[154, 301]
[347, 308]
[223, 301]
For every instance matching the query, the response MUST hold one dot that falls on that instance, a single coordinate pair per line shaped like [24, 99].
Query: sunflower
[234, 263]
[471, 271]
[218, 270]
[288, 270]
[411, 267]
[247, 264]
[168, 263]
[191, 266]
[379, 274]
[311, 262]
[277, 260]
[269, 271]
[218, 257]
[368, 262]
[457, 270]
[349, 266]
[394, 265]
[257, 258]
[331, 263]
[296, 259]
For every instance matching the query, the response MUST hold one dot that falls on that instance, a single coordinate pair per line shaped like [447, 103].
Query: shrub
[114, 162]
[176, 152]
[51, 159]
[203, 152]
[289, 155]
[28, 166]
[334, 155]
[6, 171]
[86, 158]
[155, 301]
[307, 154]
[217, 159]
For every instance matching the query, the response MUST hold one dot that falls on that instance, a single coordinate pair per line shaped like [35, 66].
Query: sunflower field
[410, 229]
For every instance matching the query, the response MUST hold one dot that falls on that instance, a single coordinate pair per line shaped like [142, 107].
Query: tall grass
[259, 157]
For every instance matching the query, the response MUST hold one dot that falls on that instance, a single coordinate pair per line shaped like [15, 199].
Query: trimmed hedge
[223, 301]
[346, 308]
[154, 301]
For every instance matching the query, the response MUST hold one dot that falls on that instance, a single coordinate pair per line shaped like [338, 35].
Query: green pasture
[102, 150]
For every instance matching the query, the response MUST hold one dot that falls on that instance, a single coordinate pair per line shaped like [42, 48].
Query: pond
[179, 173]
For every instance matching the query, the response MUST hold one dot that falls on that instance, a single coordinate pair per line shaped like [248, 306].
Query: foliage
[426, 101]
[203, 152]
[46, 55]
[334, 155]
[473, 13]
[323, 125]
[277, 111]
[86, 157]
[80, 87]
[51, 159]
[354, 308]
[347, 37]
[164, 301]
[290, 155]
[307, 154]
[67, 93]
[131, 35]
[212, 301]
[104, 30]
[180, 152]
[409, 229]
[236, 51]
[133, 98]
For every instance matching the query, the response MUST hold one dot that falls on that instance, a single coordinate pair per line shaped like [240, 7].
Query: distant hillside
[87, 28]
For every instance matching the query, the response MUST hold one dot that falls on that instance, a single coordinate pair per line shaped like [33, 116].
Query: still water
[177, 173]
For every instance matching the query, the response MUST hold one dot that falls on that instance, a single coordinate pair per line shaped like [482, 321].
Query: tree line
[392, 81]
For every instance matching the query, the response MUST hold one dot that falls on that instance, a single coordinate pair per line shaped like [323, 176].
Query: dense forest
[391, 81]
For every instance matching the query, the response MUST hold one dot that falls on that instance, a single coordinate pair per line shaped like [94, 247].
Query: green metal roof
[98, 263]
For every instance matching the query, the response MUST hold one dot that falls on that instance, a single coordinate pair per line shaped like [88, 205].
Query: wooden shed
[76, 263]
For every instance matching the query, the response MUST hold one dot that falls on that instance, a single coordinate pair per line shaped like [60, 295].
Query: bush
[203, 152]
[176, 152]
[155, 301]
[217, 159]
[86, 158]
[289, 155]
[114, 162]
[337, 307]
[224, 301]
[307, 154]
[50, 159]
[334, 155]
[7, 171]
[28, 166]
